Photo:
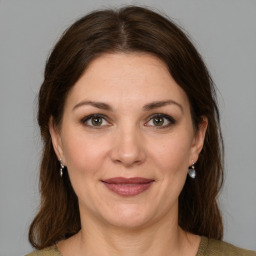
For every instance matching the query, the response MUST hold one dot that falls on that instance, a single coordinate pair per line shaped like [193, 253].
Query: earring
[192, 171]
[61, 167]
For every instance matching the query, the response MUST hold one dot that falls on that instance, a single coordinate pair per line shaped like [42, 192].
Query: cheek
[172, 154]
[84, 155]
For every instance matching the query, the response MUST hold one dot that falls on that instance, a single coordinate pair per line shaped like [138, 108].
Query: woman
[133, 153]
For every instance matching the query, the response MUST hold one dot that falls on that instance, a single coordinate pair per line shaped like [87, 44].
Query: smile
[128, 186]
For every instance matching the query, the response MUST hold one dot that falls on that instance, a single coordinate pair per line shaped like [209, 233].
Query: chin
[128, 216]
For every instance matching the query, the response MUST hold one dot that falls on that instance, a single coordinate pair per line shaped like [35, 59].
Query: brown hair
[129, 29]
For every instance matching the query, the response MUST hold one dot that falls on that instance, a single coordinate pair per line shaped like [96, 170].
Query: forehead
[127, 78]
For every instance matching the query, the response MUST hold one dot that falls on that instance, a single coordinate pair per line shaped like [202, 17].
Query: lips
[128, 186]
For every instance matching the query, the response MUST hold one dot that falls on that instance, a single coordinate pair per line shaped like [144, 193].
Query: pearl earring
[61, 167]
[192, 171]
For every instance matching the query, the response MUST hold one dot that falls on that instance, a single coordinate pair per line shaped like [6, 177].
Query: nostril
[128, 148]
[125, 159]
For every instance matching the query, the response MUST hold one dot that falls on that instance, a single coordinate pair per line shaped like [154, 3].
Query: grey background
[224, 31]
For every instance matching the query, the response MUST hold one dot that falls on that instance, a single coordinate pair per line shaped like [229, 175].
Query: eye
[95, 120]
[161, 121]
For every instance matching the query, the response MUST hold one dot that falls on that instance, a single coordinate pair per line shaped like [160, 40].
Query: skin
[128, 143]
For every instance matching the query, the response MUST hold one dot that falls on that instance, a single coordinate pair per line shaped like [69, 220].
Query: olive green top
[208, 247]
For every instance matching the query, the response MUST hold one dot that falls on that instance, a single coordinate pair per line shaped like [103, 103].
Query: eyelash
[87, 118]
[171, 120]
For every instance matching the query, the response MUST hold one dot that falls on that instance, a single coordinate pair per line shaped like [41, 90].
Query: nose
[128, 147]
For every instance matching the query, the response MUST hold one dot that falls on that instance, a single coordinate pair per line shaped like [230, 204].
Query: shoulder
[49, 251]
[212, 247]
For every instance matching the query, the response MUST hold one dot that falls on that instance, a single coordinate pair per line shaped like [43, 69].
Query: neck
[165, 238]
[114, 241]
[162, 238]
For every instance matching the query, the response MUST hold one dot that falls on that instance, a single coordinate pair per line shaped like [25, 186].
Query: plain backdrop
[224, 32]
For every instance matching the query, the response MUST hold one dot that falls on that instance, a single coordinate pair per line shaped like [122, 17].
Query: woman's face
[127, 140]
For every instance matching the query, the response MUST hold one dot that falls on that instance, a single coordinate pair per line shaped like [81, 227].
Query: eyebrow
[158, 104]
[147, 107]
[99, 105]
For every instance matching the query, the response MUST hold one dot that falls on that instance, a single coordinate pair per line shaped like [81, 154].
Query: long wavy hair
[129, 29]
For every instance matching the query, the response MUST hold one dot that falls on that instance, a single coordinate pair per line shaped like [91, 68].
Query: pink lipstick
[128, 186]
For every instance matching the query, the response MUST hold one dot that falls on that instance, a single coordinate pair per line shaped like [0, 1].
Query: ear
[56, 140]
[198, 141]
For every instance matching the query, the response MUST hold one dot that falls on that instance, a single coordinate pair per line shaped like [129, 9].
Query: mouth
[128, 186]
